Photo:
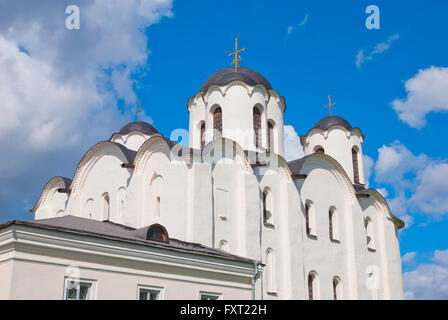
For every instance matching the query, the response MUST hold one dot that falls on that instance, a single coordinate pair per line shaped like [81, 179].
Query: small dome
[141, 126]
[224, 76]
[330, 121]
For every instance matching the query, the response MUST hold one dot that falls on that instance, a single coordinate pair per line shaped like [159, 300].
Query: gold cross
[140, 109]
[330, 104]
[237, 57]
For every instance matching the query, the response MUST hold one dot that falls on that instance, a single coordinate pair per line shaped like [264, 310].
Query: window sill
[224, 218]
[269, 225]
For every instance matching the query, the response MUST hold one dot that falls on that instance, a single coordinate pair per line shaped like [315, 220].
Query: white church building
[225, 218]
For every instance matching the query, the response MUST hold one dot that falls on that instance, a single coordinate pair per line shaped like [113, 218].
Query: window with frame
[210, 296]
[106, 207]
[355, 165]
[217, 122]
[312, 286]
[337, 289]
[149, 294]
[370, 237]
[78, 290]
[268, 217]
[257, 126]
[202, 135]
[270, 136]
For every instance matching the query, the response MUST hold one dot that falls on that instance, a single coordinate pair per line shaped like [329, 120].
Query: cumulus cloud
[293, 148]
[292, 28]
[420, 183]
[428, 280]
[60, 88]
[362, 57]
[409, 257]
[368, 165]
[426, 92]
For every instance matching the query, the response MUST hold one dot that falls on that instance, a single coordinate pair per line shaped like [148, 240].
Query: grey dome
[141, 126]
[330, 121]
[224, 76]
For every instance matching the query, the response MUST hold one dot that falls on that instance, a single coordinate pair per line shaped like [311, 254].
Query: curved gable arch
[92, 156]
[222, 148]
[325, 161]
[49, 190]
[381, 205]
[155, 144]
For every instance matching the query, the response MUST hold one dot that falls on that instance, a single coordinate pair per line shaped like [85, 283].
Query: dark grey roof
[141, 126]
[113, 231]
[224, 76]
[328, 122]
[296, 165]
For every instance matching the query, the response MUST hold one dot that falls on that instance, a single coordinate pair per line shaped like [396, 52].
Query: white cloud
[60, 87]
[383, 192]
[426, 92]
[420, 184]
[368, 165]
[292, 28]
[431, 194]
[293, 148]
[429, 280]
[409, 257]
[379, 48]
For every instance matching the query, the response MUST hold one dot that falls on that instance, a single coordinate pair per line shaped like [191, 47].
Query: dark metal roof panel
[225, 76]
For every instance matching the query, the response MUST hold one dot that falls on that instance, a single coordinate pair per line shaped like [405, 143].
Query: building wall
[42, 260]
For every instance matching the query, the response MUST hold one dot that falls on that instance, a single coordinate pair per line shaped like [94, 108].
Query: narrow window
[333, 224]
[311, 277]
[78, 290]
[355, 165]
[271, 273]
[370, 234]
[330, 223]
[217, 122]
[202, 135]
[337, 289]
[319, 150]
[271, 136]
[307, 217]
[149, 294]
[268, 217]
[257, 126]
[106, 207]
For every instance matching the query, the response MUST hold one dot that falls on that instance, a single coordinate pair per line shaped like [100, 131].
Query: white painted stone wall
[219, 203]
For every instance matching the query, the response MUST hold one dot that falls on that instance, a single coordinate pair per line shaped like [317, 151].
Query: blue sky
[307, 50]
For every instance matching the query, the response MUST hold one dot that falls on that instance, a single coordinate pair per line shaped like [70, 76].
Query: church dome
[330, 121]
[141, 126]
[224, 76]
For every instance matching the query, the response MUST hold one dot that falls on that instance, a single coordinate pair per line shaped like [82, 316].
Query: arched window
[106, 207]
[307, 218]
[270, 136]
[268, 217]
[337, 289]
[202, 135]
[333, 224]
[310, 219]
[319, 149]
[370, 234]
[157, 232]
[257, 126]
[313, 289]
[217, 122]
[224, 245]
[270, 272]
[355, 165]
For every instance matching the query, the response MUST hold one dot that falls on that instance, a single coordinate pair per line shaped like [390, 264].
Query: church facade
[226, 218]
